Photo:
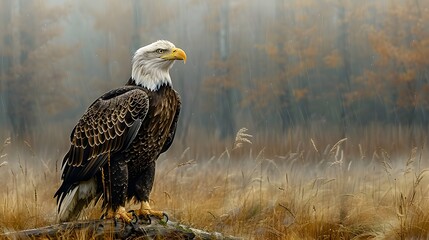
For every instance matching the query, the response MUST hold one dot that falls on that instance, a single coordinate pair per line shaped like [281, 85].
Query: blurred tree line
[266, 65]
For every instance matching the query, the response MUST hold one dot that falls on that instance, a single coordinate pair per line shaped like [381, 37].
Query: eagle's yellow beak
[175, 54]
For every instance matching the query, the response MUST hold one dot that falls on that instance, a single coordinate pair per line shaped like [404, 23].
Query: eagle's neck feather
[151, 74]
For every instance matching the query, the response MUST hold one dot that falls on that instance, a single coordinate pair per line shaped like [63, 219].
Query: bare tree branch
[107, 228]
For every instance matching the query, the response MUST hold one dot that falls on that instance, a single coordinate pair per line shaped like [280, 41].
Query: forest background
[269, 67]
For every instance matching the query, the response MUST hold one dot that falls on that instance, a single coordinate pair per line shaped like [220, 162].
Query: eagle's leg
[143, 188]
[117, 191]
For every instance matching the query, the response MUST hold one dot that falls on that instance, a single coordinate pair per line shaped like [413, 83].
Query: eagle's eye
[160, 51]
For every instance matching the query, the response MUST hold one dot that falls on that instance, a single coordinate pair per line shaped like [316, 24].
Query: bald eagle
[116, 142]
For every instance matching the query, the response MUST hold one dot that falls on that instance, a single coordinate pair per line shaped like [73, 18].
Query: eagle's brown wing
[108, 126]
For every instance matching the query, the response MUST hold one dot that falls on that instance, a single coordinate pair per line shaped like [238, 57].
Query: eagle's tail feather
[75, 200]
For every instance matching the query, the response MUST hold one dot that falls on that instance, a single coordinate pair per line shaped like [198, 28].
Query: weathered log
[101, 229]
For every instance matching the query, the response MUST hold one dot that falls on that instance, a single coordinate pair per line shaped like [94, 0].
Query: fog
[269, 66]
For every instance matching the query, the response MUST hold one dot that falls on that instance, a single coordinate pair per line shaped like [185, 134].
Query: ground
[314, 190]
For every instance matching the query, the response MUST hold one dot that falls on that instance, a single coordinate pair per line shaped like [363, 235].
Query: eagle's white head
[151, 64]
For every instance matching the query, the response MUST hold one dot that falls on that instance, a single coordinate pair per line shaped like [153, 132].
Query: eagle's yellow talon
[145, 211]
[121, 213]
[149, 212]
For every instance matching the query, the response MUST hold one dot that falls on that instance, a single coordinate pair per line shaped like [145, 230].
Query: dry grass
[311, 188]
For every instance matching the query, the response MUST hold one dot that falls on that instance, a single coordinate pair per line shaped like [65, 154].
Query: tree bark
[102, 229]
[225, 121]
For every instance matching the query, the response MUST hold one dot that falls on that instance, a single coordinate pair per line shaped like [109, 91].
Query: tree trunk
[284, 98]
[225, 121]
[107, 229]
[19, 102]
[345, 72]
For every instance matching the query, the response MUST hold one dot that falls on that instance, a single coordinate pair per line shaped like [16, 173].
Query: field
[308, 184]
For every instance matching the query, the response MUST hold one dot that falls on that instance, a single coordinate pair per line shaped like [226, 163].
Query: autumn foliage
[364, 57]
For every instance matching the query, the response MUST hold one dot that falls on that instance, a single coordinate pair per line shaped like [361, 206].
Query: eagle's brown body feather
[116, 143]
